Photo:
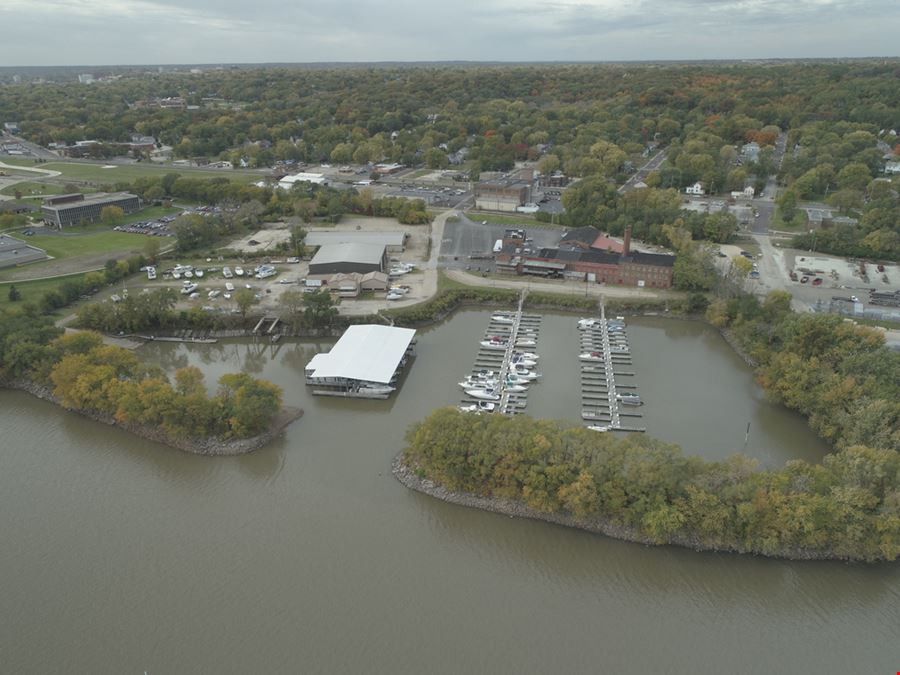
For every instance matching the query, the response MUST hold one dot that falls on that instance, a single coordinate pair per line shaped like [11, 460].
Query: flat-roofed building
[303, 177]
[503, 195]
[362, 258]
[365, 363]
[392, 240]
[74, 209]
[16, 252]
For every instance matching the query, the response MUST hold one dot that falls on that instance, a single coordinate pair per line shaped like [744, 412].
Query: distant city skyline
[124, 32]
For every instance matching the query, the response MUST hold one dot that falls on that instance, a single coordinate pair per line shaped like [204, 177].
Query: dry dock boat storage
[365, 363]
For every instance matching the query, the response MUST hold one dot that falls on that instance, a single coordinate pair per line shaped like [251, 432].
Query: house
[695, 189]
[892, 168]
[747, 193]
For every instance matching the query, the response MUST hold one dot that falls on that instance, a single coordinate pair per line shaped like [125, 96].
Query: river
[119, 555]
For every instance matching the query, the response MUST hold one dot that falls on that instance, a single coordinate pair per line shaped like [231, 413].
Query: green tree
[319, 309]
[298, 240]
[245, 299]
[111, 215]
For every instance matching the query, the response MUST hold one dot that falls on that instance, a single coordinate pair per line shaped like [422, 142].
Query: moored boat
[484, 394]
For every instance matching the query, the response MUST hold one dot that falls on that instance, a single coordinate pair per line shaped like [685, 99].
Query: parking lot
[465, 238]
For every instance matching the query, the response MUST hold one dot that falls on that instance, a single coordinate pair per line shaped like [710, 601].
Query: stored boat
[591, 356]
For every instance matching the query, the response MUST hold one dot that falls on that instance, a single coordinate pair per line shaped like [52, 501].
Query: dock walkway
[509, 337]
[603, 352]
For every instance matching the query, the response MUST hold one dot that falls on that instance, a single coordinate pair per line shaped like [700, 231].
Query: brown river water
[121, 556]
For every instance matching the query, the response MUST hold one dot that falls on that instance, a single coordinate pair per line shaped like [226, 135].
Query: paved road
[652, 165]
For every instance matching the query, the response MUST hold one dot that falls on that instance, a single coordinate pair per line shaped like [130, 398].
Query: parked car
[804, 279]
[817, 281]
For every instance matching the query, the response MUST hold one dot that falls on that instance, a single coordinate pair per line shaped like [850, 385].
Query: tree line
[89, 376]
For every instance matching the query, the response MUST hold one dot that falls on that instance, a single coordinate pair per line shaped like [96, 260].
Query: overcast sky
[82, 32]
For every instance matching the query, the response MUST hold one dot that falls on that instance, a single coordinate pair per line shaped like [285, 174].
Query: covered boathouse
[365, 363]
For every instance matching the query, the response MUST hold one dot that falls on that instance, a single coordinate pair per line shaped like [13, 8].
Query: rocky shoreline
[210, 446]
[509, 507]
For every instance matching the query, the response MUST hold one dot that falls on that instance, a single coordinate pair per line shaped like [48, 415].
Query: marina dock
[509, 344]
[604, 355]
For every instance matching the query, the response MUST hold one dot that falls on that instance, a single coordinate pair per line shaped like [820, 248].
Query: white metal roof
[392, 238]
[370, 353]
[357, 253]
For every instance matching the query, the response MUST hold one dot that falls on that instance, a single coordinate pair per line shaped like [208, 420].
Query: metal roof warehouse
[392, 240]
[365, 353]
[332, 258]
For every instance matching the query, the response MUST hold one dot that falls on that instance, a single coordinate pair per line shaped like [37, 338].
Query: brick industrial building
[74, 209]
[575, 258]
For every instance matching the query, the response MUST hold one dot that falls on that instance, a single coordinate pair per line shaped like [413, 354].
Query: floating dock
[604, 354]
[513, 334]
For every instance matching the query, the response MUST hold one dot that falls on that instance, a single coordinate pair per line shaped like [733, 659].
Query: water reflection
[581, 560]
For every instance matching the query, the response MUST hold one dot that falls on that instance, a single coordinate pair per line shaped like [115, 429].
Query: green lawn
[31, 290]
[520, 219]
[68, 244]
[130, 172]
[798, 224]
[31, 189]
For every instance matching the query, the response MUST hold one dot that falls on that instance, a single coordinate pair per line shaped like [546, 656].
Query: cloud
[207, 31]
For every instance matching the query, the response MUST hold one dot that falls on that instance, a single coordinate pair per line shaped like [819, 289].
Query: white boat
[483, 394]
[526, 374]
[493, 344]
[188, 274]
[481, 406]
[229, 286]
[176, 274]
[513, 379]
[478, 384]
[597, 427]
[194, 296]
[394, 296]
[502, 318]
[398, 289]
[265, 272]
[226, 272]
[527, 342]
[227, 296]
[527, 355]
[239, 271]
[528, 363]
[189, 289]
[485, 374]
[629, 399]
[198, 274]
[515, 388]
[591, 356]
[588, 323]
[619, 349]
[151, 273]
[374, 391]
[213, 294]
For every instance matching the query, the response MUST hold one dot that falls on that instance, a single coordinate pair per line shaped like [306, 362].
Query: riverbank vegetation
[110, 382]
[848, 507]
[836, 373]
